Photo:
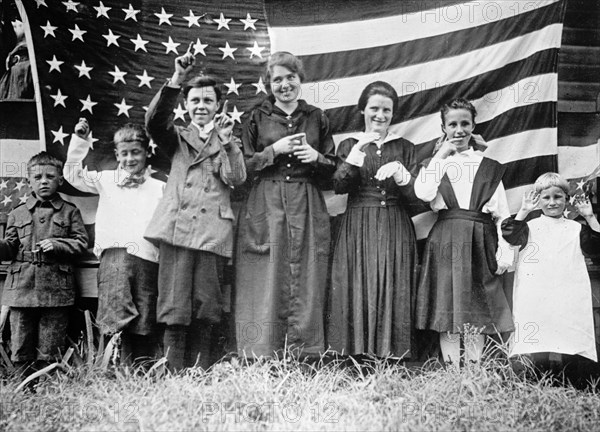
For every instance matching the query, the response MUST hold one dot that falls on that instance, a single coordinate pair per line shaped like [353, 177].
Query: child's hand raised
[530, 201]
[82, 128]
[224, 124]
[584, 207]
[447, 148]
[184, 65]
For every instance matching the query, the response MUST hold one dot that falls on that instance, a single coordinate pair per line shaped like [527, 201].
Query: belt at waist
[465, 215]
[285, 178]
[373, 202]
[34, 257]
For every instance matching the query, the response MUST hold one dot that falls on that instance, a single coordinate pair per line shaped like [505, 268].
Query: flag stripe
[523, 76]
[526, 171]
[446, 70]
[298, 13]
[330, 66]
[398, 28]
[524, 145]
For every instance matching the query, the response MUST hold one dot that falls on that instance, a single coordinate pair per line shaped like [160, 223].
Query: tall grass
[288, 394]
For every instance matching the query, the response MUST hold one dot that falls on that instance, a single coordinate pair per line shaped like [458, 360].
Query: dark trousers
[188, 346]
[38, 333]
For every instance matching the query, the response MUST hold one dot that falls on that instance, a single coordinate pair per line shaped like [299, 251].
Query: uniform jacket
[195, 211]
[42, 279]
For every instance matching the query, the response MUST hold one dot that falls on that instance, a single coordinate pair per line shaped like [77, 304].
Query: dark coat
[49, 283]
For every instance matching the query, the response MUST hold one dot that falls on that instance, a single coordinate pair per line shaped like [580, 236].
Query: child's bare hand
[46, 245]
[288, 144]
[530, 201]
[388, 170]
[584, 207]
[479, 140]
[447, 148]
[502, 267]
[184, 65]
[224, 124]
[82, 128]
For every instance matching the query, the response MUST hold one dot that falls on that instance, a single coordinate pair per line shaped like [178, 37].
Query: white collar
[206, 128]
[389, 137]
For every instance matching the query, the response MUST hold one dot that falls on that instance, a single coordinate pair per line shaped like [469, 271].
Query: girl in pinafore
[463, 258]
[283, 234]
[373, 273]
[552, 300]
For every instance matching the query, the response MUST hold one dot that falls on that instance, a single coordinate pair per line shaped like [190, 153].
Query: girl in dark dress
[283, 234]
[460, 287]
[373, 272]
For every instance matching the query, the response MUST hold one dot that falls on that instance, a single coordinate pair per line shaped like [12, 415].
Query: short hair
[45, 158]
[202, 81]
[378, 88]
[131, 132]
[458, 103]
[549, 180]
[287, 60]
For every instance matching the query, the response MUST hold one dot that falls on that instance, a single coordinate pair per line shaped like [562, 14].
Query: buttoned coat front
[195, 211]
[49, 283]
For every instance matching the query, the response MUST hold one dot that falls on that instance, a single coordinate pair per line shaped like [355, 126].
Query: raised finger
[225, 105]
[189, 50]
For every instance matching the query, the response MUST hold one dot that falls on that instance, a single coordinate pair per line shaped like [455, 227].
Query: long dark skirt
[373, 281]
[458, 284]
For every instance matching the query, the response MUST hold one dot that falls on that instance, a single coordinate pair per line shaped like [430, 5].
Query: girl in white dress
[552, 301]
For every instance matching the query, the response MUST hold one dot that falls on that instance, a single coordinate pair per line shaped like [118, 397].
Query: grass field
[289, 395]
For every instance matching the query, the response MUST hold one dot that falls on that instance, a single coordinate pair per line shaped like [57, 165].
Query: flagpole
[34, 74]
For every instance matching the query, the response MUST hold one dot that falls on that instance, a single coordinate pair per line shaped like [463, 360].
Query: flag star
[179, 112]
[88, 104]
[3, 184]
[48, 29]
[199, 47]
[236, 115]
[581, 184]
[232, 87]
[54, 64]
[123, 108]
[102, 10]
[59, 135]
[228, 51]
[71, 5]
[260, 86]
[171, 46]
[59, 98]
[22, 183]
[41, 3]
[118, 75]
[139, 43]
[572, 200]
[249, 22]
[84, 70]
[111, 38]
[23, 199]
[193, 19]
[144, 79]
[256, 50]
[222, 22]
[163, 17]
[130, 12]
[92, 140]
[7, 200]
[566, 213]
[77, 33]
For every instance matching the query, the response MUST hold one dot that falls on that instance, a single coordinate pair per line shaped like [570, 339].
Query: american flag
[104, 60]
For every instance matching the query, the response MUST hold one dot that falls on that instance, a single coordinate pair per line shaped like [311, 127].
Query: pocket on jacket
[65, 275]
[60, 227]
[24, 229]
[14, 275]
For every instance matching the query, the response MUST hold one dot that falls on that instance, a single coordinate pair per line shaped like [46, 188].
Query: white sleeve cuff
[402, 176]
[356, 157]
